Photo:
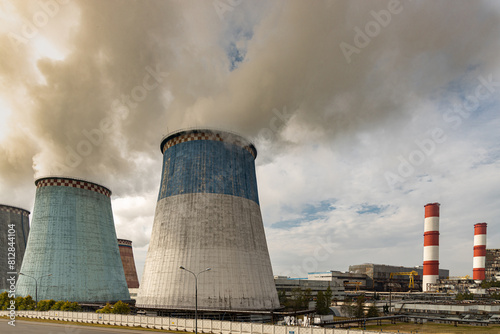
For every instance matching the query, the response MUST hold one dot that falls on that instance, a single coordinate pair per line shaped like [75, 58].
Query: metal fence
[178, 324]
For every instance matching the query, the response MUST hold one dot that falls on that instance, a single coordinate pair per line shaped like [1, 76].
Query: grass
[431, 328]
[93, 325]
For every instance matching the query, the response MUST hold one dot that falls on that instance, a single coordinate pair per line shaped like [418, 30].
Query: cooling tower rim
[71, 179]
[126, 241]
[14, 207]
[183, 131]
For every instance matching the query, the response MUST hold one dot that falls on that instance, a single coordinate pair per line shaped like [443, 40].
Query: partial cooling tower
[479, 261]
[431, 246]
[14, 230]
[128, 262]
[208, 216]
[72, 249]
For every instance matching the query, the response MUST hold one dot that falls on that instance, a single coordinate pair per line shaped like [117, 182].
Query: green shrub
[106, 309]
[464, 296]
[359, 312]
[118, 308]
[29, 303]
[70, 306]
[25, 303]
[121, 308]
[372, 312]
[4, 300]
[45, 305]
[495, 296]
[57, 306]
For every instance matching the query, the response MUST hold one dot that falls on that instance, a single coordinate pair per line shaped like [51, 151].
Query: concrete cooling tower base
[222, 231]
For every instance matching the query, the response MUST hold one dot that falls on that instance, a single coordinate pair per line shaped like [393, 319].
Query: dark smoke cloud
[133, 71]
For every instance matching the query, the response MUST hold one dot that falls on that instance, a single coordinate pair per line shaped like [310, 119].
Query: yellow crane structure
[356, 284]
[412, 273]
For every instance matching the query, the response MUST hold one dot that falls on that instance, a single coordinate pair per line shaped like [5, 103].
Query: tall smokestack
[479, 261]
[431, 246]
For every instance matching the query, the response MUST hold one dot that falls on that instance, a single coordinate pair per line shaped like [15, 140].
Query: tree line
[28, 303]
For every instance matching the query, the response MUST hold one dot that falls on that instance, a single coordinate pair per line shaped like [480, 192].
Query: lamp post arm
[195, 295]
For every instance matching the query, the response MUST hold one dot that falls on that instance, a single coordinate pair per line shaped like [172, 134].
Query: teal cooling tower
[208, 216]
[72, 251]
[14, 231]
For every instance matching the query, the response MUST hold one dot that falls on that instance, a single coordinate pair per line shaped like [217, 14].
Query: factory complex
[207, 221]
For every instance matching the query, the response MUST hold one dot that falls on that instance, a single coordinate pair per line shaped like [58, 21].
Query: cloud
[88, 89]
[158, 66]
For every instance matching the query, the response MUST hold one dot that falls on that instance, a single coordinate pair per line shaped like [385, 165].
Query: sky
[362, 112]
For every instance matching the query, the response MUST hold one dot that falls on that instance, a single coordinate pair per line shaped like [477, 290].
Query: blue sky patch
[309, 213]
[367, 208]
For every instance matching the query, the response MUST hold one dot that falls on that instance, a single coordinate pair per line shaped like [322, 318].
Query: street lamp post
[195, 295]
[36, 286]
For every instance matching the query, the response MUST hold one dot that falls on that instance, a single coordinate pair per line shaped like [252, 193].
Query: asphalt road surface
[32, 327]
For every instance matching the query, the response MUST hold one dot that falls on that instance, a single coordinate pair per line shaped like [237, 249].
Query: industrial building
[208, 221]
[72, 251]
[457, 284]
[14, 232]
[454, 308]
[492, 265]
[378, 276]
[349, 280]
[288, 285]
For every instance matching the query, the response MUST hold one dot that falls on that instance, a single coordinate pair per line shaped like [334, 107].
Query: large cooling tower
[479, 260]
[431, 246]
[128, 262]
[208, 216]
[73, 239]
[14, 230]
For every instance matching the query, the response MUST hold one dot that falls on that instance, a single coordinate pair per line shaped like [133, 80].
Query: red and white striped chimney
[431, 246]
[479, 261]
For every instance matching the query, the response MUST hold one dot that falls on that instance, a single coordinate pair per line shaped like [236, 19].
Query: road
[32, 327]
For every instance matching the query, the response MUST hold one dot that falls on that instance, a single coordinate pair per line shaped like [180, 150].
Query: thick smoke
[92, 86]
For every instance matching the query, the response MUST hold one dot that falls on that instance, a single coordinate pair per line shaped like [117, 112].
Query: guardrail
[179, 324]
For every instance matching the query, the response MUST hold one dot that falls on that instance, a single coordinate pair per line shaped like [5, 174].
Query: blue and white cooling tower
[14, 231]
[72, 239]
[208, 216]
